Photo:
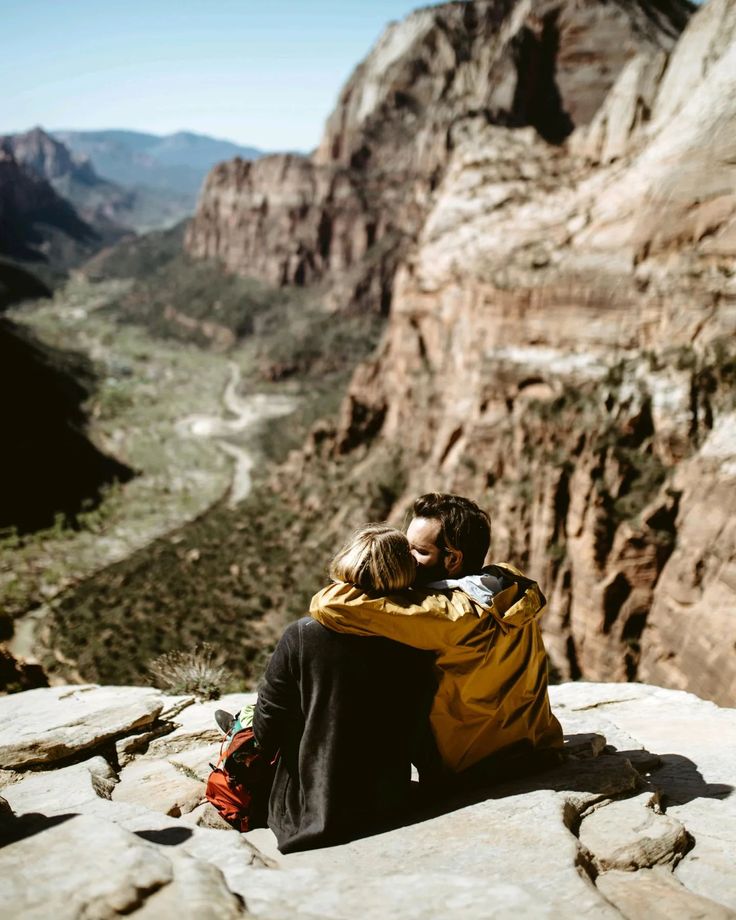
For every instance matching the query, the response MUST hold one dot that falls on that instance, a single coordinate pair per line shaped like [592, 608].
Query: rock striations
[349, 212]
[102, 815]
[551, 217]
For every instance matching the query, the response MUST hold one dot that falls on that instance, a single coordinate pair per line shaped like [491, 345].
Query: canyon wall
[562, 347]
[350, 212]
[562, 306]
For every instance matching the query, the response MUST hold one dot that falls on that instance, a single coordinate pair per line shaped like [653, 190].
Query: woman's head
[375, 558]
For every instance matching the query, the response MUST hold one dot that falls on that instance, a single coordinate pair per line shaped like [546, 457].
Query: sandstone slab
[69, 789]
[83, 788]
[206, 815]
[53, 723]
[125, 871]
[195, 725]
[695, 741]
[630, 835]
[86, 867]
[159, 785]
[531, 847]
[429, 870]
[198, 891]
[710, 868]
[656, 895]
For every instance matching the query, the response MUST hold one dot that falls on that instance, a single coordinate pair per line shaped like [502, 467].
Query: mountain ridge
[137, 158]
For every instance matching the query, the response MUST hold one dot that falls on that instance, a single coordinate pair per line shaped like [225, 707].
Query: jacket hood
[502, 589]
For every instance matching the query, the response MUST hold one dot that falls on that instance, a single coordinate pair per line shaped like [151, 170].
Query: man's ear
[454, 561]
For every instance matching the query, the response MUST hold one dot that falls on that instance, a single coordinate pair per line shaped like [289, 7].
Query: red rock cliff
[561, 211]
[350, 211]
[561, 346]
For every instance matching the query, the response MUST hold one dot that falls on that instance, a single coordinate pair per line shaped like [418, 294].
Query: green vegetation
[232, 578]
[216, 581]
[174, 296]
[18, 283]
[138, 257]
[137, 580]
[643, 475]
[142, 391]
[195, 302]
[282, 333]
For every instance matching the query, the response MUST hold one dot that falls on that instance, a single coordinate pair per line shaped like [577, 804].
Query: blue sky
[260, 72]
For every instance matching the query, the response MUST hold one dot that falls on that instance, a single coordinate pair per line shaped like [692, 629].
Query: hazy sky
[260, 72]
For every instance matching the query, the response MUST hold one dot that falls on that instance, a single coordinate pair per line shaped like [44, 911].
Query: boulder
[656, 895]
[86, 867]
[631, 835]
[53, 723]
[160, 785]
[96, 840]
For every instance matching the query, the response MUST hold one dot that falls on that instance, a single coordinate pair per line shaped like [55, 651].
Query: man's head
[449, 536]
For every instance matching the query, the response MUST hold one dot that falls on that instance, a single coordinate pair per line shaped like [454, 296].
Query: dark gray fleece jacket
[346, 712]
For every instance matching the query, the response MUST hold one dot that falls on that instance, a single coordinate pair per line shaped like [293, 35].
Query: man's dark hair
[463, 526]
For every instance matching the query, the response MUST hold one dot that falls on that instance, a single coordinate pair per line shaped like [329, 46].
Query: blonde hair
[375, 558]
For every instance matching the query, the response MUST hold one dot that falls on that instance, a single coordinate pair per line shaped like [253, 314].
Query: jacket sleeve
[278, 707]
[421, 620]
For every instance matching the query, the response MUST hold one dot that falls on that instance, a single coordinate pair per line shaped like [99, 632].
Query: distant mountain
[111, 208]
[172, 163]
[36, 223]
[53, 467]
[104, 205]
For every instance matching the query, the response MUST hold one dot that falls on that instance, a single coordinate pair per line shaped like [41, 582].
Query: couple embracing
[415, 654]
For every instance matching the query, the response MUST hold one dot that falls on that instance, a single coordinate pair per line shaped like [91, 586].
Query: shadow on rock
[167, 837]
[680, 781]
[596, 771]
[17, 827]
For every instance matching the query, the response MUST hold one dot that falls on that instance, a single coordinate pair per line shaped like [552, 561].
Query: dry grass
[201, 671]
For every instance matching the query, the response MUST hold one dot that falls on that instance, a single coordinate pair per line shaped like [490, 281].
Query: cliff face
[350, 212]
[560, 345]
[35, 222]
[101, 203]
[560, 337]
[54, 469]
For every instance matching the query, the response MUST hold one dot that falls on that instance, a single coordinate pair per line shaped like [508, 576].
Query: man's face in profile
[423, 534]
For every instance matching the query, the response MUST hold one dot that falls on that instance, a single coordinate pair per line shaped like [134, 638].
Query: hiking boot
[225, 721]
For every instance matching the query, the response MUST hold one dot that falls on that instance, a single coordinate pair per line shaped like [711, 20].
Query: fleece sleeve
[278, 708]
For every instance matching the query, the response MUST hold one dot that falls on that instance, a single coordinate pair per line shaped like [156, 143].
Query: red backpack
[240, 784]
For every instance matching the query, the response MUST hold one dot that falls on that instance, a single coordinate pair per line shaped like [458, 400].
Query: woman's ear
[454, 561]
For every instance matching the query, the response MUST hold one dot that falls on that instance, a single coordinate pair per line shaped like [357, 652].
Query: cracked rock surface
[639, 822]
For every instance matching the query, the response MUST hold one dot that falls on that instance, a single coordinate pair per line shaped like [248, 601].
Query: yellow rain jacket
[492, 690]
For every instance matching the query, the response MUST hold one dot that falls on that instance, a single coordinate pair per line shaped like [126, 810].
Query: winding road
[240, 413]
[243, 413]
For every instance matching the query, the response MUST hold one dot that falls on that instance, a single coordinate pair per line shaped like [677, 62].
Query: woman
[344, 712]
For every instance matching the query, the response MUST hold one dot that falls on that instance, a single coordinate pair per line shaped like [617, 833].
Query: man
[449, 536]
[492, 704]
